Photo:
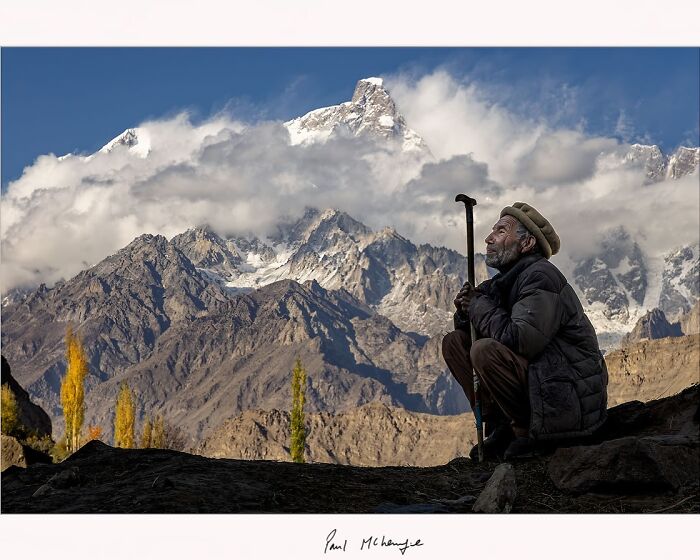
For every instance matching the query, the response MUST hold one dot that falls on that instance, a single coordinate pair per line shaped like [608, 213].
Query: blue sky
[76, 99]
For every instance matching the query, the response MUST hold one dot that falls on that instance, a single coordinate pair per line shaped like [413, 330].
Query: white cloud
[65, 214]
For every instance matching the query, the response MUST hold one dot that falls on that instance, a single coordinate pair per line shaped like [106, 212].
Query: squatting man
[542, 375]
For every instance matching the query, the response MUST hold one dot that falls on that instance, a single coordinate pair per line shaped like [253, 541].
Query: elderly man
[542, 375]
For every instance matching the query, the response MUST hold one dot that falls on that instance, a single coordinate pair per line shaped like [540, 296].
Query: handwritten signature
[333, 544]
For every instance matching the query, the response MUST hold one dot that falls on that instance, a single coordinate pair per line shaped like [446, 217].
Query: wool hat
[537, 225]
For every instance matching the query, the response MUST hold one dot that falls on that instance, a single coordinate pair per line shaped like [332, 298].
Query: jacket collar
[503, 281]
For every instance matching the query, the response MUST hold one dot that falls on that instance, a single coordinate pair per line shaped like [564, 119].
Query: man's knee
[483, 351]
[454, 341]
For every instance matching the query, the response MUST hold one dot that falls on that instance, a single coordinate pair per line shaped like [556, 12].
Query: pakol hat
[537, 225]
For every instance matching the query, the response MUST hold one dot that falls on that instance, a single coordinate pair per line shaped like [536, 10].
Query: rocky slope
[644, 460]
[651, 369]
[373, 435]
[31, 416]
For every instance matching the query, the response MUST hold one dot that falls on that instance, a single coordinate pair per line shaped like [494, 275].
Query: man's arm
[534, 320]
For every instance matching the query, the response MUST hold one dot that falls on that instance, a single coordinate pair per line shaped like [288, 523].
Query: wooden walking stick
[469, 204]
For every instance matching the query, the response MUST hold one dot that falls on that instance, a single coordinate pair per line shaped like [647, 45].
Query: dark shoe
[520, 448]
[495, 444]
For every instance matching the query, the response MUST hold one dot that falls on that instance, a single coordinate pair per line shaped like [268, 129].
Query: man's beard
[502, 257]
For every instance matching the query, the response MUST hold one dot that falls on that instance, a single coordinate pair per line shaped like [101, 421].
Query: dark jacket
[533, 310]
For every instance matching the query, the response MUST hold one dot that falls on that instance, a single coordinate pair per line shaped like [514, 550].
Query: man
[542, 376]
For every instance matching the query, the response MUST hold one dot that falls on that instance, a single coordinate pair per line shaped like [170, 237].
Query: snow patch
[373, 81]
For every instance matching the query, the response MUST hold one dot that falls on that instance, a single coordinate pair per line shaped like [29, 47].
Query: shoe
[520, 448]
[495, 444]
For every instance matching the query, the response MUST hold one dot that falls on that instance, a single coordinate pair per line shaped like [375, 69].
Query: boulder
[628, 465]
[499, 493]
[14, 453]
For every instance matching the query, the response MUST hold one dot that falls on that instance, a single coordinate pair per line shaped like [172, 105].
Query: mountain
[652, 326]
[412, 285]
[398, 437]
[617, 285]
[199, 353]
[658, 166]
[120, 307]
[620, 284]
[136, 140]
[371, 112]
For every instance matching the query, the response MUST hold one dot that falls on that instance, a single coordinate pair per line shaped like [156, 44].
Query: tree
[158, 432]
[298, 430]
[73, 389]
[124, 418]
[9, 422]
[146, 434]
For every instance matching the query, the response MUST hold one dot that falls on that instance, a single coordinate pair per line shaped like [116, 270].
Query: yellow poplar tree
[73, 390]
[124, 418]
[146, 434]
[9, 422]
[158, 432]
[298, 431]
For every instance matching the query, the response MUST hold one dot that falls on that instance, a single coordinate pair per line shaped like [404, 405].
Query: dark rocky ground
[646, 459]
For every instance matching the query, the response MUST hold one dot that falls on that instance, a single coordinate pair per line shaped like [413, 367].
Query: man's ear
[529, 244]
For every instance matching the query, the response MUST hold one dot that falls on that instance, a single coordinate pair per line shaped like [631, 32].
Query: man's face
[502, 245]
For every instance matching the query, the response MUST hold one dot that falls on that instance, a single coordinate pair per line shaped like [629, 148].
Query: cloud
[65, 214]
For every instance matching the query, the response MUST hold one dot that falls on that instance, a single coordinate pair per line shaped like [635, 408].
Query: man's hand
[465, 295]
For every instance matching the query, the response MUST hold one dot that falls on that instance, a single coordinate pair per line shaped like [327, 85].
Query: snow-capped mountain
[136, 140]
[658, 166]
[371, 111]
[412, 285]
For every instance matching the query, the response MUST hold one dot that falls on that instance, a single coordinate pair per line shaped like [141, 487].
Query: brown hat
[537, 225]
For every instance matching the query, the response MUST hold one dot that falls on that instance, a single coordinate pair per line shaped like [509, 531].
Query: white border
[349, 23]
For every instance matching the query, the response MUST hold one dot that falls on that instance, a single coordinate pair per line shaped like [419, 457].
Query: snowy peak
[371, 112]
[135, 140]
[683, 161]
[658, 166]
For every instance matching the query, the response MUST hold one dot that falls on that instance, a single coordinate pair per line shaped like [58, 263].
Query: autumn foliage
[298, 431]
[124, 418]
[73, 390]
[9, 423]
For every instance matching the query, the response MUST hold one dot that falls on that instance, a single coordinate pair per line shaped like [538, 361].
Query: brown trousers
[502, 377]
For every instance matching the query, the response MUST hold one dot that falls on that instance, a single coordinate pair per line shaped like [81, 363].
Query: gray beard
[502, 257]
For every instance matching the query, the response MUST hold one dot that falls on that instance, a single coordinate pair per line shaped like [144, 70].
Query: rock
[500, 491]
[42, 490]
[32, 417]
[161, 483]
[65, 479]
[628, 464]
[14, 453]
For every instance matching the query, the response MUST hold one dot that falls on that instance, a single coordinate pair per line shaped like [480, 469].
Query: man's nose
[488, 239]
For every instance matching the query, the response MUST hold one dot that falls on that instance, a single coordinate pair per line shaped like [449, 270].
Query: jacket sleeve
[461, 321]
[534, 320]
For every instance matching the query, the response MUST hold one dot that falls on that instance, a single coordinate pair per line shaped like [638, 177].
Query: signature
[333, 543]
